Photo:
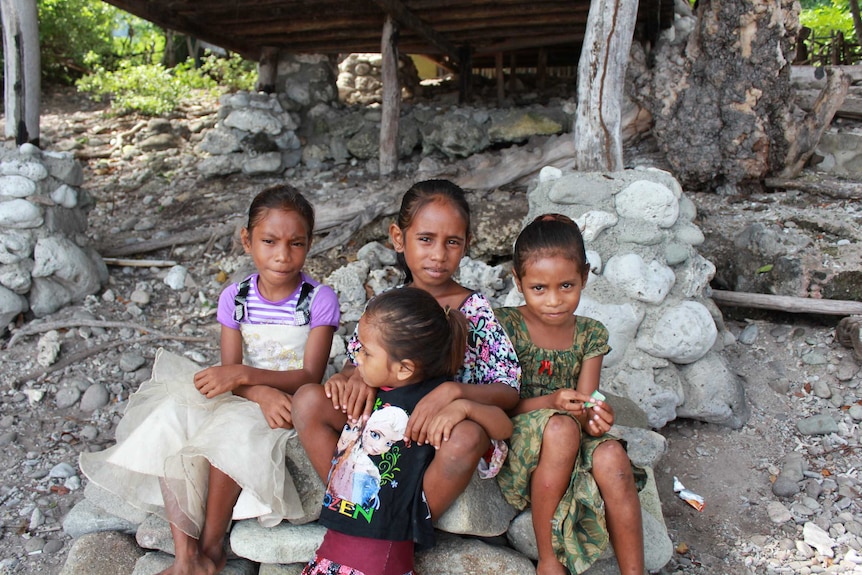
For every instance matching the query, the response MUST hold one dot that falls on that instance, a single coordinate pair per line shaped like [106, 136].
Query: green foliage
[68, 30]
[231, 73]
[152, 89]
[74, 35]
[826, 16]
[147, 88]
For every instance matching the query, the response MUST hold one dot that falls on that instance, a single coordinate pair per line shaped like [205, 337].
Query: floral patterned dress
[579, 531]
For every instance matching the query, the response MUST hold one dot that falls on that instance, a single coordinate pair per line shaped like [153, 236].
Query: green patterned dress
[579, 531]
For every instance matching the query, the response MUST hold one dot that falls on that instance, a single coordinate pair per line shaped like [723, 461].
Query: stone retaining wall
[45, 262]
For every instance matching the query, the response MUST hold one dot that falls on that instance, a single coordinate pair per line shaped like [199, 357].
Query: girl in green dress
[579, 481]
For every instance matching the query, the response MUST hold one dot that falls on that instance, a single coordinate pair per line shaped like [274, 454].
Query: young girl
[374, 507]
[561, 359]
[200, 448]
[431, 236]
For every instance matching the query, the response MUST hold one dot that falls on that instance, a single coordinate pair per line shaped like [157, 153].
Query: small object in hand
[597, 395]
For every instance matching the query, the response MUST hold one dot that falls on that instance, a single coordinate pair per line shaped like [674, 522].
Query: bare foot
[196, 565]
[550, 566]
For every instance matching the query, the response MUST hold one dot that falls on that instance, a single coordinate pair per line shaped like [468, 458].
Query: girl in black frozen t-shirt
[374, 506]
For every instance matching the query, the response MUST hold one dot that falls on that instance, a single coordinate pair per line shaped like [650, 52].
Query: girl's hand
[601, 418]
[430, 407]
[440, 426]
[219, 379]
[274, 404]
[350, 395]
[570, 400]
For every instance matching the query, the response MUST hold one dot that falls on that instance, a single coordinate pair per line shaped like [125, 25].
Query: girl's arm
[596, 420]
[493, 420]
[491, 371]
[571, 400]
[428, 413]
[232, 375]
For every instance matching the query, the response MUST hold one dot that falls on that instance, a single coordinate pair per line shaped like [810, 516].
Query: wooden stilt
[465, 64]
[391, 99]
[267, 70]
[21, 69]
[501, 88]
[542, 69]
[601, 78]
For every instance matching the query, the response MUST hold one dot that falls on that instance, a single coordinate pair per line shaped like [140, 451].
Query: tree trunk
[601, 76]
[21, 69]
[722, 100]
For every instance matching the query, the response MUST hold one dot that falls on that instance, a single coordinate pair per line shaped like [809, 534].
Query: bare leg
[561, 440]
[453, 466]
[612, 471]
[318, 425]
[188, 560]
[221, 497]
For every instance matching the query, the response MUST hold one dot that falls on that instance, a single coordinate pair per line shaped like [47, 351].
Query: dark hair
[548, 235]
[413, 326]
[280, 197]
[420, 195]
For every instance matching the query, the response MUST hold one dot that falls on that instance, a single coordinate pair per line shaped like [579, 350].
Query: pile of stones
[359, 79]
[45, 260]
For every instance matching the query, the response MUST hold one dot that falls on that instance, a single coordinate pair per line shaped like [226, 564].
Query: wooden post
[465, 65]
[501, 88]
[513, 76]
[542, 68]
[857, 21]
[391, 99]
[21, 69]
[601, 78]
[267, 70]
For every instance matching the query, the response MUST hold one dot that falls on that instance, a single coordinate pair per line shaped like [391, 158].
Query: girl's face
[372, 359]
[433, 244]
[552, 288]
[278, 244]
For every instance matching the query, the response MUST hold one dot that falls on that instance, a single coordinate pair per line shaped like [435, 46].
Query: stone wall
[648, 285]
[258, 134]
[45, 262]
[359, 79]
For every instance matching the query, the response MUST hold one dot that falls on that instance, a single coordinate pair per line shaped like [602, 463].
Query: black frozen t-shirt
[374, 488]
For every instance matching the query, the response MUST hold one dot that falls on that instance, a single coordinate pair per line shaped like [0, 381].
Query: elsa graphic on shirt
[354, 476]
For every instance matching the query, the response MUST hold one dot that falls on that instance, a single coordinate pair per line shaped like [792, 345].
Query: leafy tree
[826, 16]
[77, 34]
[69, 30]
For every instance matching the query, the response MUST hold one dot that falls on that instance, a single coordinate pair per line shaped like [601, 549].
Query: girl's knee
[310, 399]
[562, 430]
[309, 394]
[466, 440]
[611, 460]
